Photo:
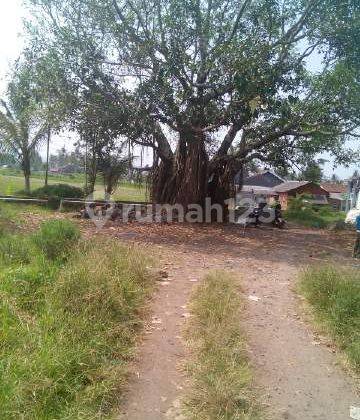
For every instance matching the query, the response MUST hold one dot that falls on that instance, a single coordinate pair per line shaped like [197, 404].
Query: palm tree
[16, 137]
[22, 123]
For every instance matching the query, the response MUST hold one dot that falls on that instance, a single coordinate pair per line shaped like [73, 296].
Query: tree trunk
[183, 179]
[91, 179]
[189, 177]
[110, 182]
[91, 163]
[221, 183]
[26, 167]
[47, 157]
[191, 170]
[163, 182]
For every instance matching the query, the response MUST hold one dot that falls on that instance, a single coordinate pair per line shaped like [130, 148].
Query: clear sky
[10, 27]
[11, 14]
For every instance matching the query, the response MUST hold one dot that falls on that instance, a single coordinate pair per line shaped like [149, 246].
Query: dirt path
[158, 381]
[298, 374]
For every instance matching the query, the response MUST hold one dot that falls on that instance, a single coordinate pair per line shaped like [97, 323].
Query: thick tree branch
[228, 139]
[164, 148]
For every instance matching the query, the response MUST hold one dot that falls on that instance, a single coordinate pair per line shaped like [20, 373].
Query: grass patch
[219, 370]
[12, 183]
[56, 238]
[334, 294]
[69, 327]
[14, 249]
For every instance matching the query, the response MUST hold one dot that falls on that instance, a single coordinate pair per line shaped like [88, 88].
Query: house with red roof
[338, 194]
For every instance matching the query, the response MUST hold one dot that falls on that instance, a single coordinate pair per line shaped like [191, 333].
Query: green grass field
[12, 183]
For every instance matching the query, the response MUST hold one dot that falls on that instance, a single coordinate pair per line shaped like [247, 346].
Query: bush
[304, 213]
[55, 238]
[306, 217]
[58, 190]
[54, 202]
[334, 293]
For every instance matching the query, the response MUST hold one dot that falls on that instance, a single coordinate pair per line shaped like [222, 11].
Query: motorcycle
[254, 216]
[262, 214]
[278, 221]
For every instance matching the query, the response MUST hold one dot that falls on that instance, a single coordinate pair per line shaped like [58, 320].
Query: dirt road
[298, 373]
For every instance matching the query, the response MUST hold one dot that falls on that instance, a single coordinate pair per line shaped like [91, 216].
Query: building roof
[290, 185]
[334, 187]
[265, 179]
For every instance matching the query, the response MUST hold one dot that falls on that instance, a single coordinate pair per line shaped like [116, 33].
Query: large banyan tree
[213, 84]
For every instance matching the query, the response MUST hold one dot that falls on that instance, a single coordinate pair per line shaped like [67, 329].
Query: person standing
[357, 241]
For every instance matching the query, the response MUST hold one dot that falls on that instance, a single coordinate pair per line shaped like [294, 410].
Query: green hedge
[58, 190]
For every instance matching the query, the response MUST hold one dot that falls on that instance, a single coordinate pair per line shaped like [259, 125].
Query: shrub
[303, 212]
[334, 293]
[55, 238]
[58, 190]
[53, 202]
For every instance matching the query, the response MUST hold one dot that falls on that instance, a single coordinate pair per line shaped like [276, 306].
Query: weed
[219, 371]
[69, 331]
[55, 238]
[58, 190]
[334, 294]
[14, 249]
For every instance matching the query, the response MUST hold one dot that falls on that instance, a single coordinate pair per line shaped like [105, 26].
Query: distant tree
[101, 124]
[285, 172]
[22, 126]
[335, 179]
[51, 88]
[112, 166]
[6, 158]
[62, 158]
[312, 172]
[36, 161]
